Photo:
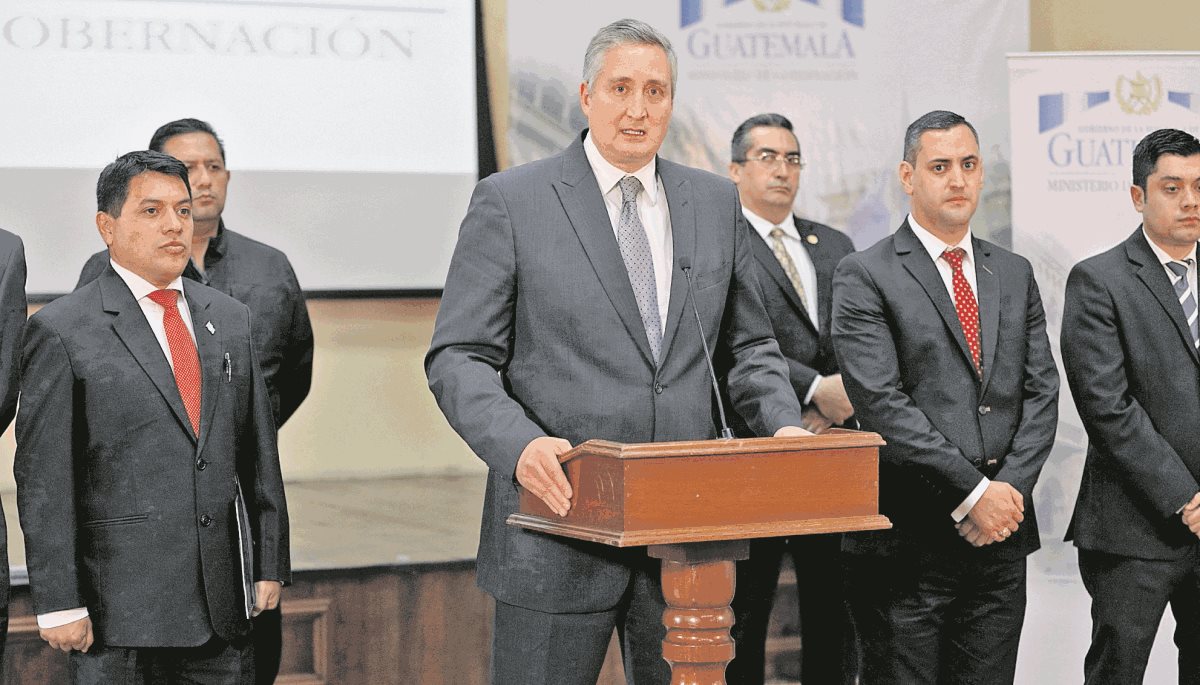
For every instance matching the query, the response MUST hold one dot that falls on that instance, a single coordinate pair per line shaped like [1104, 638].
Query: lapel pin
[211, 329]
[812, 238]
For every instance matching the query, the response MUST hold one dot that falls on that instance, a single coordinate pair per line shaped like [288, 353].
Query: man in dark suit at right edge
[795, 259]
[941, 340]
[1129, 341]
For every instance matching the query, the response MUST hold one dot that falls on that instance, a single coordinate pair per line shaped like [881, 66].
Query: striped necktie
[1186, 300]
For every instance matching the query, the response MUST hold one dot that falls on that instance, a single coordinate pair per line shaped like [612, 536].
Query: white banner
[1076, 119]
[850, 74]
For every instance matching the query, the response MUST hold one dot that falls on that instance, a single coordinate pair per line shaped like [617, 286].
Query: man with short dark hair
[941, 339]
[255, 274]
[794, 259]
[13, 309]
[1129, 347]
[563, 320]
[148, 479]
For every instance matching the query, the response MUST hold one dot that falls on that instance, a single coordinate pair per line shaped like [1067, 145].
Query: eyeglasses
[772, 158]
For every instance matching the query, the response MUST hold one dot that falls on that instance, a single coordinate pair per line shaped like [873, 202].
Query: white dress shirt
[935, 247]
[804, 266]
[652, 210]
[141, 289]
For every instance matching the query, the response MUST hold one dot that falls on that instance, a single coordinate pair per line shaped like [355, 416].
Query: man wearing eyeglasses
[795, 259]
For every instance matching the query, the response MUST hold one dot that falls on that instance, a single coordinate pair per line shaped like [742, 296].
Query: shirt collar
[139, 286]
[1163, 257]
[764, 227]
[608, 176]
[935, 246]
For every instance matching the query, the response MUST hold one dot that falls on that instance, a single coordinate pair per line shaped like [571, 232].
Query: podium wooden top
[837, 438]
[712, 490]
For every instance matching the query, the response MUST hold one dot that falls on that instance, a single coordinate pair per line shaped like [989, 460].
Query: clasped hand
[995, 517]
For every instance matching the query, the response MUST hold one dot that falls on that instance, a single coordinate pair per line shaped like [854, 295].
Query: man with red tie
[941, 340]
[148, 479]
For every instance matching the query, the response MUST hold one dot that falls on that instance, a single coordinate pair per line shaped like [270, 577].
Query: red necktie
[964, 303]
[183, 354]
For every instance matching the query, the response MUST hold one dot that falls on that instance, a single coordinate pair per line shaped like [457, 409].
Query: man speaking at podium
[566, 316]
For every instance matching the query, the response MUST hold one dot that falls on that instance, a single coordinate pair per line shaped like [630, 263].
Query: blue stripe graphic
[1050, 111]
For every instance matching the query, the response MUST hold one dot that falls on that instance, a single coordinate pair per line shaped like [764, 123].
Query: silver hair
[624, 32]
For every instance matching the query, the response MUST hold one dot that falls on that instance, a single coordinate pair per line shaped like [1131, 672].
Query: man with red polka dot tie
[148, 479]
[941, 339]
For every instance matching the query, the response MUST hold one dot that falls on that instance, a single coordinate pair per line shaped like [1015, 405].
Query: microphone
[686, 265]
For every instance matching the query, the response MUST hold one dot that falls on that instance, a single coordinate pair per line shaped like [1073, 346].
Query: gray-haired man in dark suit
[565, 317]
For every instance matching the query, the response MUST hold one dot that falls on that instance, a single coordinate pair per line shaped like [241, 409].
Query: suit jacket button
[978, 463]
[201, 465]
[205, 520]
[984, 409]
[658, 388]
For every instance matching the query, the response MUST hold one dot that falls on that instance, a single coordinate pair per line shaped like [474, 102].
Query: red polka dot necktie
[964, 303]
[183, 354]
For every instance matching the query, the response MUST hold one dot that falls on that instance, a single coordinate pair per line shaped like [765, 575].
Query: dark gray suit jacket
[539, 334]
[1135, 377]
[910, 377]
[807, 349]
[124, 509]
[13, 310]
[260, 277]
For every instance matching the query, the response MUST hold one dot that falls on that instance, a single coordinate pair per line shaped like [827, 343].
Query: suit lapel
[824, 264]
[768, 262]
[1154, 276]
[209, 347]
[988, 285]
[581, 200]
[134, 331]
[682, 208]
[916, 260]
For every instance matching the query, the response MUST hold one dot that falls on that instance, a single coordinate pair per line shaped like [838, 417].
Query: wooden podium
[697, 504]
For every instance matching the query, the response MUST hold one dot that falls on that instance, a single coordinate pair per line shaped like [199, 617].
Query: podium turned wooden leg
[698, 582]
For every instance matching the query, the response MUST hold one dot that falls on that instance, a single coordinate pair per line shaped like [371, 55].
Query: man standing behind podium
[143, 420]
[795, 259]
[566, 317]
[255, 274]
[1129, 341]
[941, 339]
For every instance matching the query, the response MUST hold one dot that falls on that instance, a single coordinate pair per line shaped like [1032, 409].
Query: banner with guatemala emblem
[1076, 119]
[850, 74]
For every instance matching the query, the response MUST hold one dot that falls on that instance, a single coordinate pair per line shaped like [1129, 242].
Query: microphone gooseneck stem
[726, 434]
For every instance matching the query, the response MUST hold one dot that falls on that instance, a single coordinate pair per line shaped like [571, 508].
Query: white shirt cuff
[969, 503]
[812, 390]
[55, 619]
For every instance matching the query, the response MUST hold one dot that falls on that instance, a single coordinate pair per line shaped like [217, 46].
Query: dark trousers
[268, 645]
[828, 648]
[216, 662]
[936, 621]
[536, 648]
[1128, 599]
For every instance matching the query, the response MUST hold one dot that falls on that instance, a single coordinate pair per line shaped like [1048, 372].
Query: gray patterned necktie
[635, 251]
[1186, 300]
[789, 266]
